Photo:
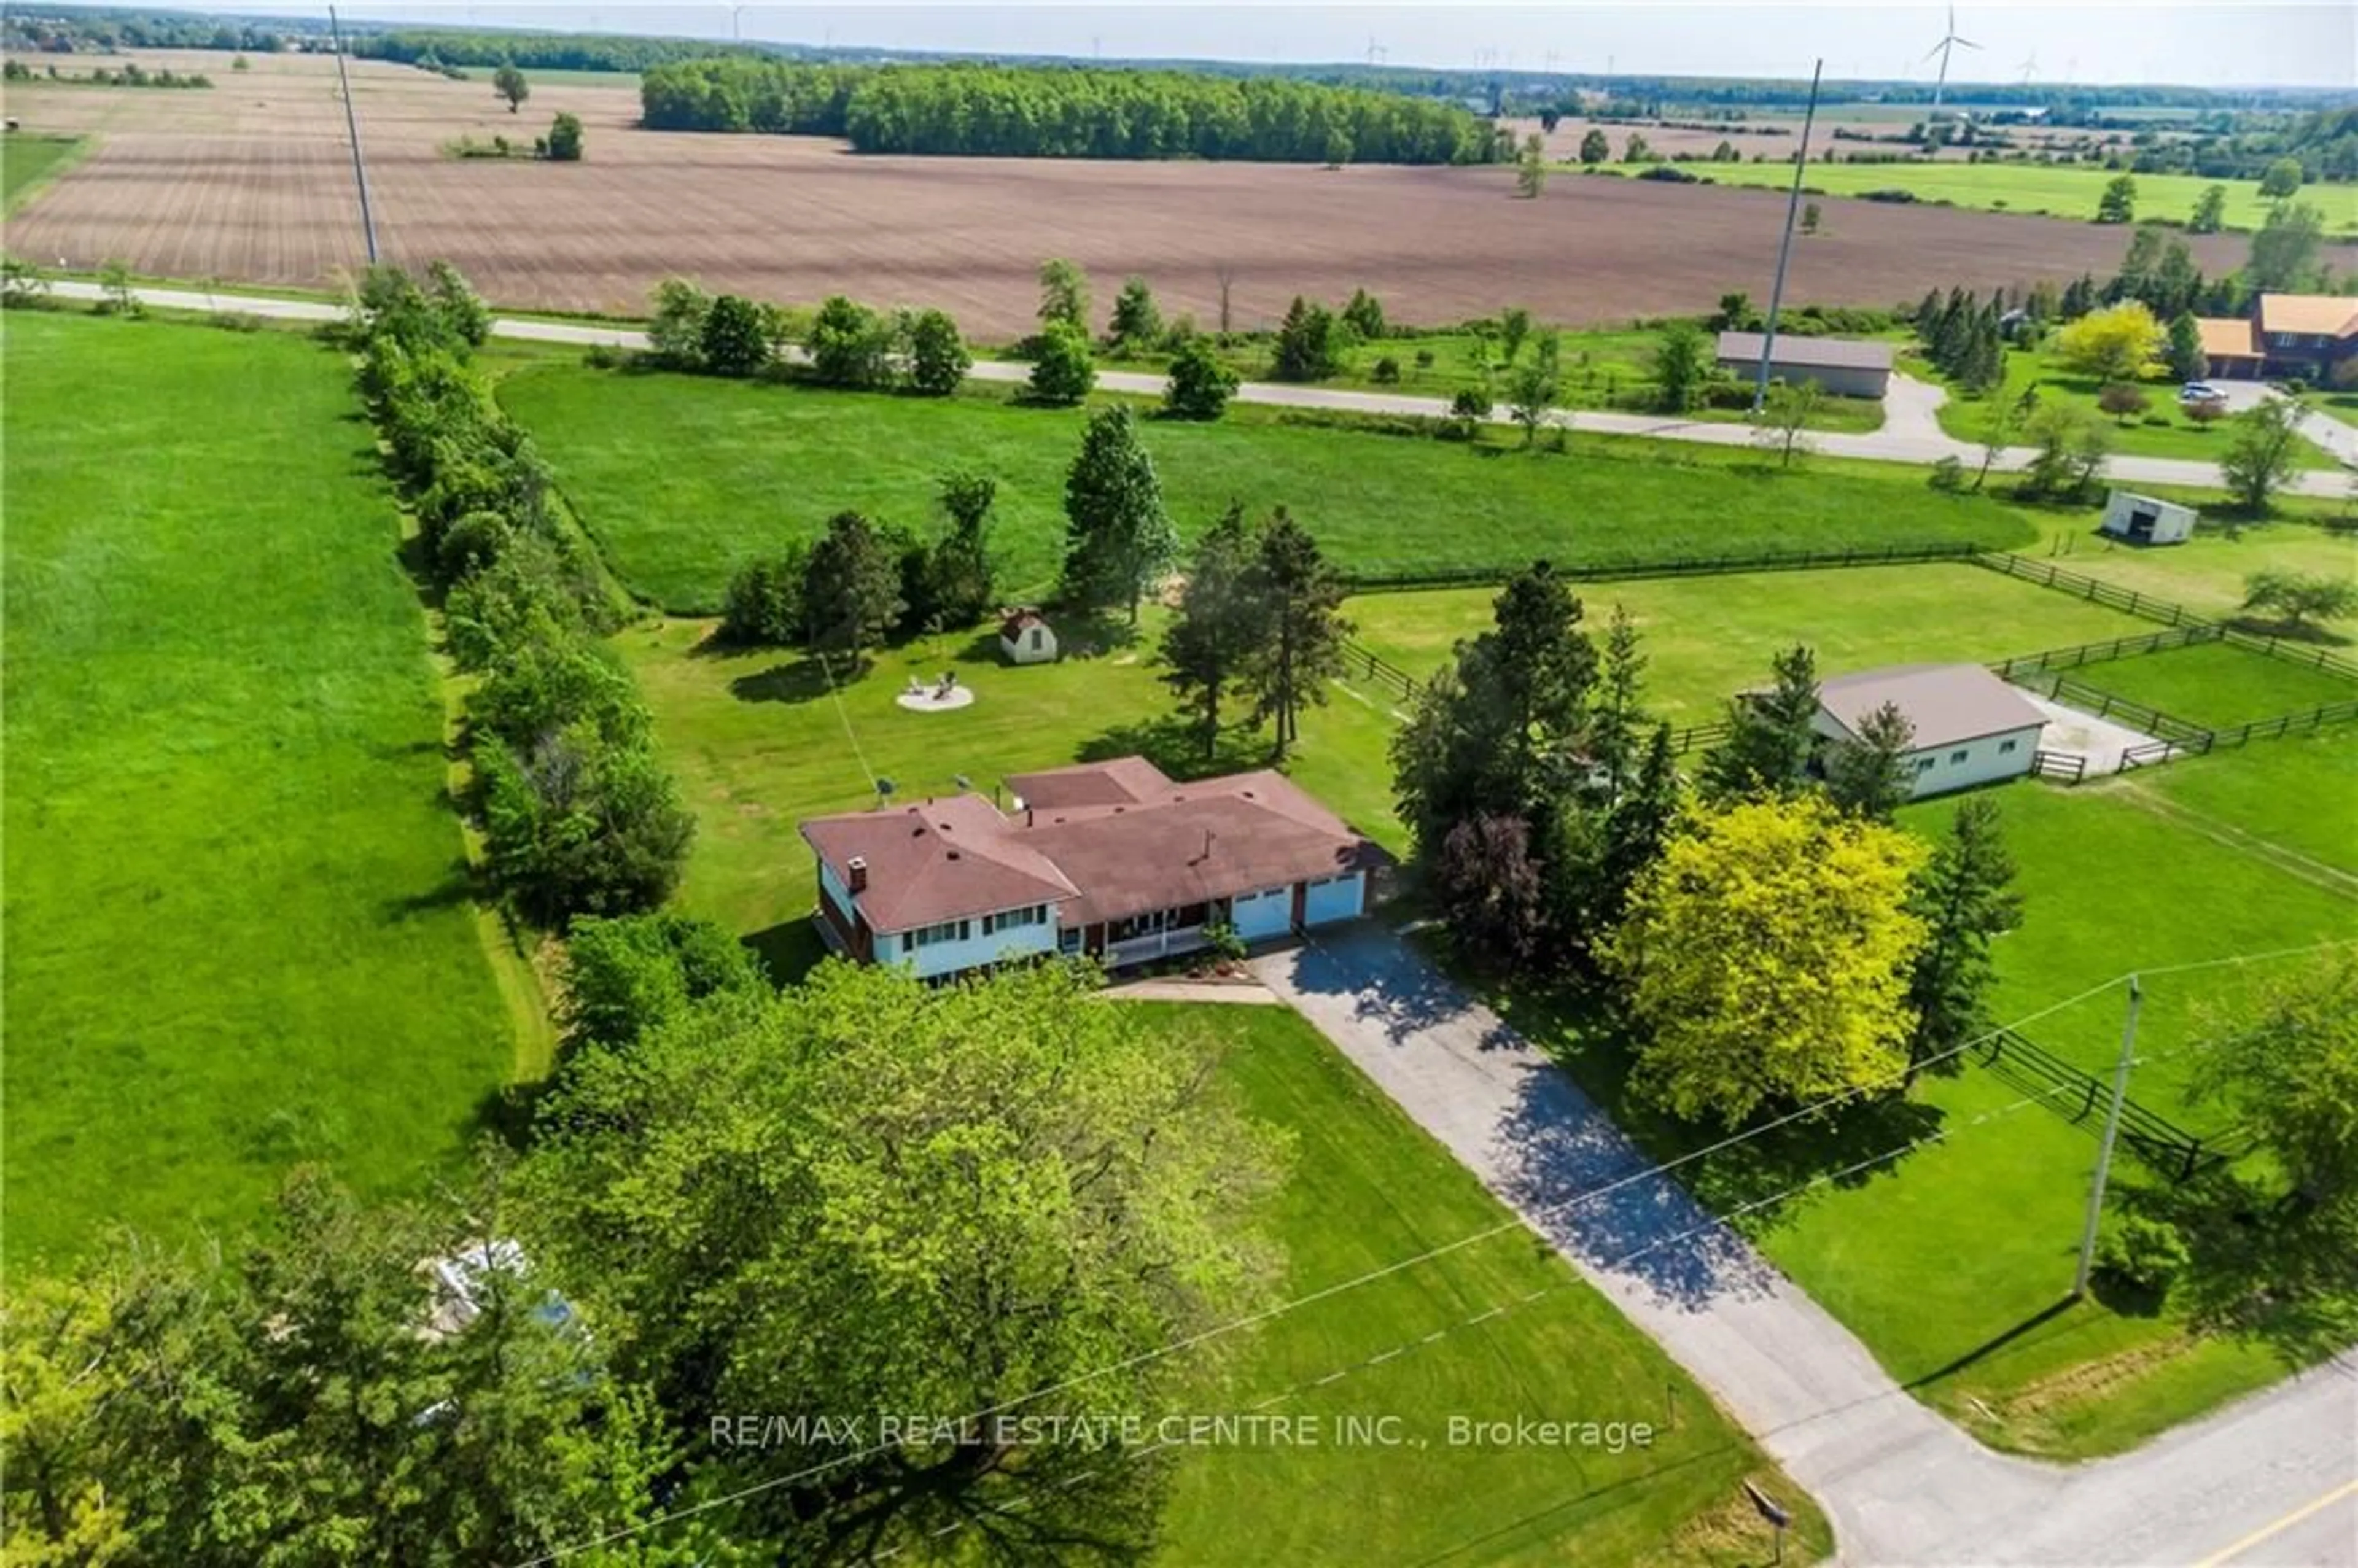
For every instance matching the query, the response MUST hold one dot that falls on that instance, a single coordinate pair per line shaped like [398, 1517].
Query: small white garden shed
[2142, 520]
[1026, 638]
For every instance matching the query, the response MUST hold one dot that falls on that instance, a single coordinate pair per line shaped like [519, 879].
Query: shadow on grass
[1994, 1344]
[2261, 1267]
[788, 950]
[2289, 631]
[1754, 1181]
[1174, 743]
[802, 680]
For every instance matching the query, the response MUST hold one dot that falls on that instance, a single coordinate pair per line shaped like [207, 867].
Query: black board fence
[2082, 585]
[2081, 1096]
[1674, 566]
[1370, 665]
[2071, 658]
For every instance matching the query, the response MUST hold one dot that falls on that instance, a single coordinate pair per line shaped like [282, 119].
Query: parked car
[2201, 392]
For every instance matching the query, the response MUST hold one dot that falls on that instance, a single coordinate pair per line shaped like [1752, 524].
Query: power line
[1516, 1223]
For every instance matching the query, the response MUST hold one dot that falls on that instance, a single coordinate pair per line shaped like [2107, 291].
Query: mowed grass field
[27, 162]
[2208, 574]
[237, 922]
[681, 478]
[2217, 685]
[1369, 1190]
[2051, 189]
[1708, 638]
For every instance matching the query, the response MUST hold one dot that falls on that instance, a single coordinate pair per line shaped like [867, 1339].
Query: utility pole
[1785, 245]
[352, 125]
[2104, 1150]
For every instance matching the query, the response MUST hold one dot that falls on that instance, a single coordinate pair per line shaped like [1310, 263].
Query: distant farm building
[2142, 520]
[1846, 367]
[1970, 728]
[1025, 638]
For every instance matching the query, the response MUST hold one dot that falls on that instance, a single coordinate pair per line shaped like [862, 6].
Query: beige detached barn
[1846, 367]
[1971, 728]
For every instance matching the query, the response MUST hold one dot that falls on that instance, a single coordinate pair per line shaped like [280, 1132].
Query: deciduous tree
[1137, 325]
[628, 975]
[565, 139]
[871, 1194]
[1533, 389]
[2281, 179]
[2118, 204]
[960, 579]
[2293, 600]
[1783, 423]
[1488, 885]
[1681, 366]
[2122, 342]
[2187, 359]
[1530, 167]
[676, 331]
[1594, 148]
[2262, 457]
[1064, 295]
[1062, 370]
[850, 345]
[509, 85]
[2210, 214]
[938, 359]
[1766, 954]
[733, 342]
[2284, 251]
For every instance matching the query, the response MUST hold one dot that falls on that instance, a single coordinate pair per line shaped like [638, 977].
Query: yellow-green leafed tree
[1767, 954]
[2123, 342]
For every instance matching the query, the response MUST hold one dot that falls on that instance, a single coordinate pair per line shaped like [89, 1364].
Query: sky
[2220, 43]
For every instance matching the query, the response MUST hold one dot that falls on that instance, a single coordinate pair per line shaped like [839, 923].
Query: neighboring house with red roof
[2313, 337]
[1114, 859]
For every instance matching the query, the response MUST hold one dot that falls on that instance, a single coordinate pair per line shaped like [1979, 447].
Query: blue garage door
[1260, 915]
[1334, 897]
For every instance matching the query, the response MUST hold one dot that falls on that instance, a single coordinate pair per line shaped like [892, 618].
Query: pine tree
[1118, 539]
[1617, 722]
[1964, 896]
[1297, 602]
[1772, 734]
[1205, 645]
[1868, 774]
[1635, 827]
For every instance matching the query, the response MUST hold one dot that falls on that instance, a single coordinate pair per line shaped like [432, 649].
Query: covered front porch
[1147, 938]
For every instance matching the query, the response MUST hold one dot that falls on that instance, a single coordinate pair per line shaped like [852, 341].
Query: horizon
[2222, 46]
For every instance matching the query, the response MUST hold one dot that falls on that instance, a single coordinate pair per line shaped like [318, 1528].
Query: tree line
[974, 109]
[577, 814]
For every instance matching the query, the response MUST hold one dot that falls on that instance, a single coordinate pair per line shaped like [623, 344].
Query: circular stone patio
[932, 699]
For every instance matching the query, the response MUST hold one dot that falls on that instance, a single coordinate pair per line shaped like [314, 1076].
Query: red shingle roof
[1104, 841]
[935, 861]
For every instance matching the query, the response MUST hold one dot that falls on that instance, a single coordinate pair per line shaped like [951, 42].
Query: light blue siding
[1258, 916]
[977, 949]
[1339, 899]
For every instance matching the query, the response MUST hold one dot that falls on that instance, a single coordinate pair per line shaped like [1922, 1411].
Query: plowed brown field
[251, 182]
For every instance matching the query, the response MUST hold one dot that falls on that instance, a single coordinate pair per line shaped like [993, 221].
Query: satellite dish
[884, 787]
[961, 781]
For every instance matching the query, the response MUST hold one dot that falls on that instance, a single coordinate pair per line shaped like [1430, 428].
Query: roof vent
[1246, 793]
[954, 854]
[943, 826]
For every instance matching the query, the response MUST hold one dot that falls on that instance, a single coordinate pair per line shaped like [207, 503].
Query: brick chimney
[858, 867]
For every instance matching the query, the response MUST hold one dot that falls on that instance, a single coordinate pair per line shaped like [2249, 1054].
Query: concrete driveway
[1902, 1486]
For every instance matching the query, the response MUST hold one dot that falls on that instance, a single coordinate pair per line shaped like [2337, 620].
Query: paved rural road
[1904, 1487]
[1909, 435]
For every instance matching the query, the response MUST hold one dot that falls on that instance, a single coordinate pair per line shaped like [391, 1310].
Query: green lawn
[29, 162]
[237, 922]
[1952, 1262]
[2056, 191]
[1367, 1189]
[1708, 638]
[2294, 798]
[2163, 430]
[2217, 684]
[2207, 573]
[681, 478]
[758, 741]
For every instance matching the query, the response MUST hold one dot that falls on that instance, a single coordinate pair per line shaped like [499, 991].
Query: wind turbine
[2029, 68]
[1949, 42]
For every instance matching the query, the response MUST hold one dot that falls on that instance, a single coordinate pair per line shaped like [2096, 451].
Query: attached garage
[1259, 916]
[1330, 899]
